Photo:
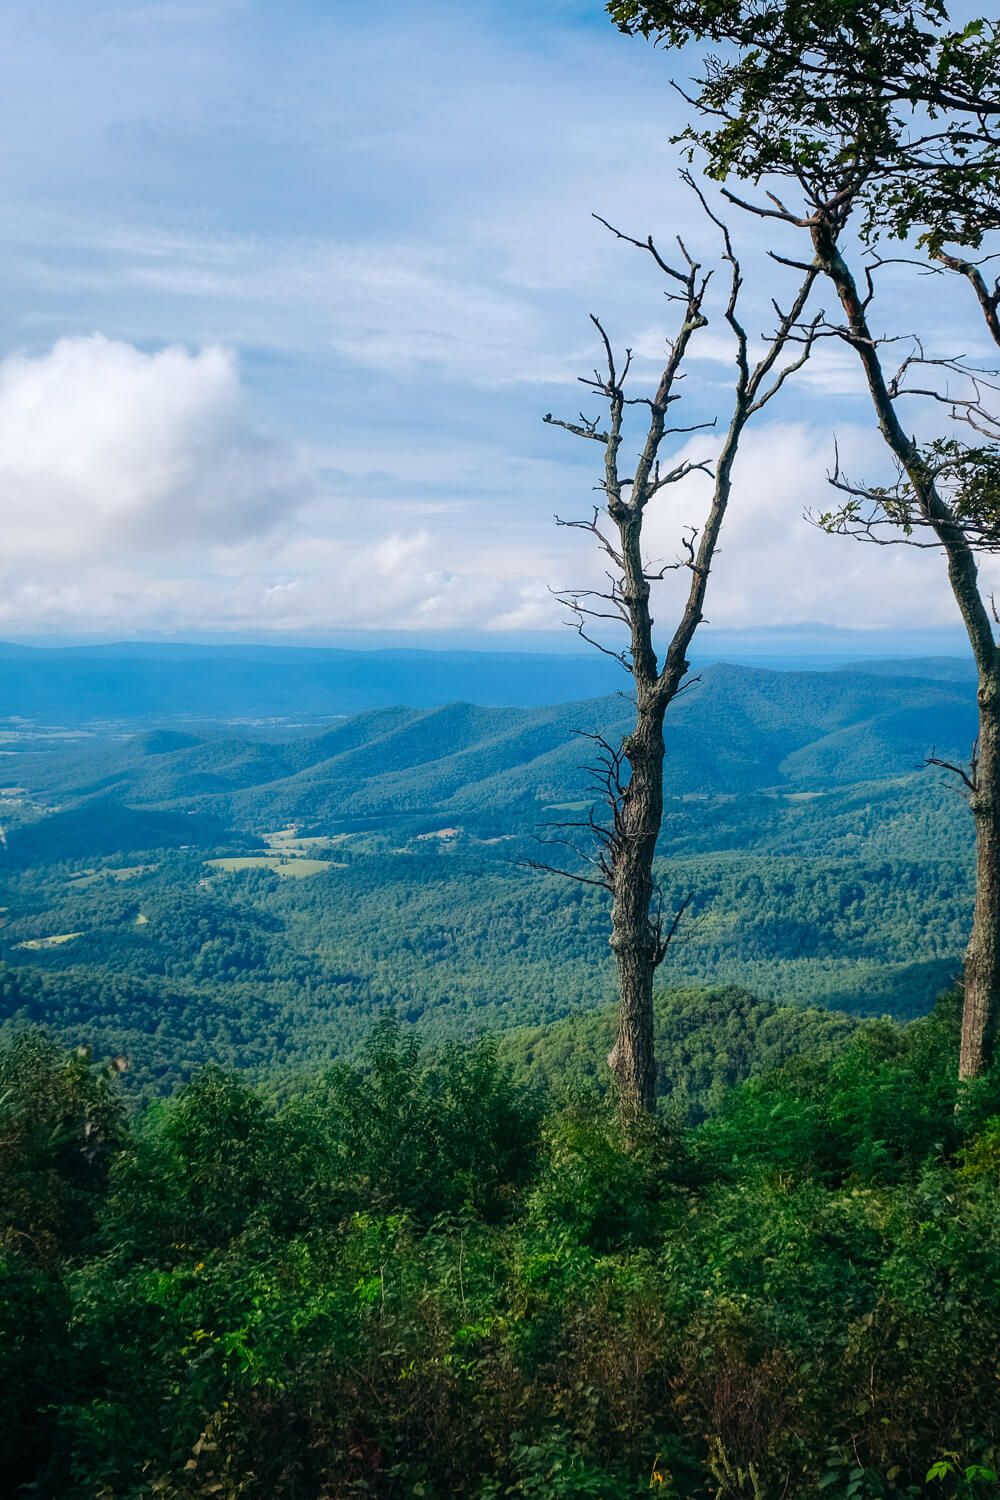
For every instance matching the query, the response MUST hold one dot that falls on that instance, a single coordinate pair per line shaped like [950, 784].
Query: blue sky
[285, 289]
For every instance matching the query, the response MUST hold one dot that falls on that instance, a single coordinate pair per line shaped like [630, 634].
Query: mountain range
[140, 682]
[149, 904]
[150, 682]
[738, 730]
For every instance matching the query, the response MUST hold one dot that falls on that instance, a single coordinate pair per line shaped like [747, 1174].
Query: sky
[286, 288]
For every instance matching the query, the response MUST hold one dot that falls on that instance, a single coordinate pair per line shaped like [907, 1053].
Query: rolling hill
[738, 730]
[706, 1041]
[149, 908]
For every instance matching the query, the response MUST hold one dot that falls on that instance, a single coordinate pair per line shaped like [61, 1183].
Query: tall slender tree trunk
[981, 1002]
[635, 937]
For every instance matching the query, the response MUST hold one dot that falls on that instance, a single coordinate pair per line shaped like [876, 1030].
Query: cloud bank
[140, 494]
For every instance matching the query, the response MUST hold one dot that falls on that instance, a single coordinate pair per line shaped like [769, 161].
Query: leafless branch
[970, 778]
[627, 779]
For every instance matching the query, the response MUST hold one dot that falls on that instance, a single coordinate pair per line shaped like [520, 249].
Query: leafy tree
[427, 1135]
[889, 113]
[883, 103]
[61, 1123]
[372, 1290]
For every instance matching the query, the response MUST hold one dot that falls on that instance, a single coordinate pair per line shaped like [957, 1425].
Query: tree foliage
[887, 100]
[373, 1288]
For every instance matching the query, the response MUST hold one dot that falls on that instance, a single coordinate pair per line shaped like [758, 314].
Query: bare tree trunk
[635, 931]
[981, 1000]
[981, 1008]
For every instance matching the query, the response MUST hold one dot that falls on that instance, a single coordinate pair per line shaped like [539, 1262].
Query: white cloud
[315, 585]
[389, 216]
[776, 568]
[106, 449]
[139, 494]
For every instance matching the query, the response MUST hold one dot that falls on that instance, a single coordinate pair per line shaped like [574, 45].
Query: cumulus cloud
[140, 495]
[107, 449]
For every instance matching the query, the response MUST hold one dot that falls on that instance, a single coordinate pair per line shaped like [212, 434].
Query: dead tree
[621, 854]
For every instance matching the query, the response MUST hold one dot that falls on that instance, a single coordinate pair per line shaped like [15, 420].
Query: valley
[256, 896]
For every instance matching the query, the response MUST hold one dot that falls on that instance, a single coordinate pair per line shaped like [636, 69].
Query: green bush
[411, 1280]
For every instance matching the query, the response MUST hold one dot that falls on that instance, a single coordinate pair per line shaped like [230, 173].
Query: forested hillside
[738, 729]
[254, 898]
[706, 1042]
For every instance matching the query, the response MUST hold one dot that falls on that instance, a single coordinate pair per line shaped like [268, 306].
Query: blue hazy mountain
[737, 730]
[74, 685]
[135, 682]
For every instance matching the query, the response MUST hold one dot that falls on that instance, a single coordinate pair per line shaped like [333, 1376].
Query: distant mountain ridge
[949, 668]
[153, 682]
[79, 684]
[738, 730]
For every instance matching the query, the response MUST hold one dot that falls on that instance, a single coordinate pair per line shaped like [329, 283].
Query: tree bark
[981, 998]
[635, 937]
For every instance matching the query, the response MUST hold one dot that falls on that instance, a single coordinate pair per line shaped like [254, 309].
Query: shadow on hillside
[903, 991]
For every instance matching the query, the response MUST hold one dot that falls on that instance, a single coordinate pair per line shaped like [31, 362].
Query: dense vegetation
[176, 963]
[706, 1041]
[442, 1273]
[416, 1277]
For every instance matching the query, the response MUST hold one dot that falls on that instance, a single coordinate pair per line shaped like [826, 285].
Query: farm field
[292, 866]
